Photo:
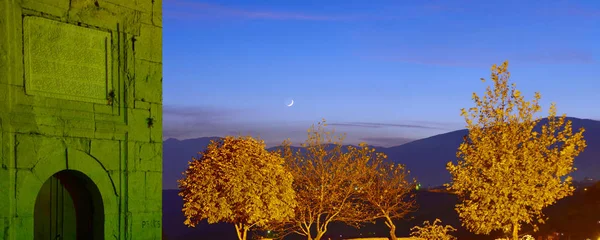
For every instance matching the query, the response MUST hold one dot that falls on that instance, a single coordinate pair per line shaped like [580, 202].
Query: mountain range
[426, 158]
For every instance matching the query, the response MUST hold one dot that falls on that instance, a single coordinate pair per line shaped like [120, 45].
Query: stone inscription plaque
[66, 61]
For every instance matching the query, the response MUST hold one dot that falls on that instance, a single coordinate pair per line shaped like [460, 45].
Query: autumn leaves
[294, 190]
[506, 171]
[237, 181]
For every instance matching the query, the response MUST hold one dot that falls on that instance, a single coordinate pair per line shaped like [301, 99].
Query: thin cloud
[183, 122]
[569, 9]
[473, 58]
[585, 12]
[567, 56]
[203, 10]
[381, 125]
[386, 141]
[426, 61]
[205, 121]
[196, 111]
[443, 7]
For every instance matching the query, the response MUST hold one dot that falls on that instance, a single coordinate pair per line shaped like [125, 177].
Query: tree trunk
[242, 231]
[515, 232]
[392, 227]
[319, 235]
[393, 233]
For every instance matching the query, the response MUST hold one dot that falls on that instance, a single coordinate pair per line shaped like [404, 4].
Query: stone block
[154, 191]
[152, 18]
[132, 23]
[100, 108]
[52, 7]
[115, 231]
[81, 144]
[27, 128]
[109, 118]
[102, 14]
[19, 97]
[78, 132]
[33, 148]
[136, 191]
[49, 130]
[67, 108]
[157, 13]
[148, 81]
[88, 124]
[24, 224]
[48, 120]
[4, 43]
[130, 4]
[108, 152]
[26, 150]
[104, 135]
[148, 156]
[79, 110]
[4, 98]
[25, 176]
[121, 128]
[6, 184]
[148, 44]
[22, 115]
[129, 78]
[146, 5]
[146, 225]
[138, 125]
[156, 114]
[120, 136]
[105, 126]
[5, 146]
[115, 176]
[139, 104]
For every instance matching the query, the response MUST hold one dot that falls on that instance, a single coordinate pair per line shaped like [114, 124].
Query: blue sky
[385, 72]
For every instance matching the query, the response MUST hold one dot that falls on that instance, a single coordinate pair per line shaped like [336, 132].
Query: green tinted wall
[81, 90]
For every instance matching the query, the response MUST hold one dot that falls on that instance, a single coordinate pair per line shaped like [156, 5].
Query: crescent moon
[292, 103]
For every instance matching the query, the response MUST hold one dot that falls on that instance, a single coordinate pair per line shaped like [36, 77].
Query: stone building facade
[80, 119]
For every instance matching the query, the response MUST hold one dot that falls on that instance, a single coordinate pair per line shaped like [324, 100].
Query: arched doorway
[68, 207]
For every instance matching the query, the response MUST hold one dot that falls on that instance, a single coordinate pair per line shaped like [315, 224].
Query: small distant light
[585, 189]
[268, 231]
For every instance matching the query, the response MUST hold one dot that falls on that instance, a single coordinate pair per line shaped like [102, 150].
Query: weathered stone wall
[81, 89]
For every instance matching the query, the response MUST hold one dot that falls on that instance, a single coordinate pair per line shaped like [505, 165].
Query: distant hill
[425, 158]
[176, 155]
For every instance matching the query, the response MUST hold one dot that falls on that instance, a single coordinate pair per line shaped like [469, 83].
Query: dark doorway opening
[69, 207]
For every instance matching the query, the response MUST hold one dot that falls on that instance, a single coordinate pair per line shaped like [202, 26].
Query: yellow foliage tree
[238, 181]
[388, 193]
[507, 172]
[327, 181]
